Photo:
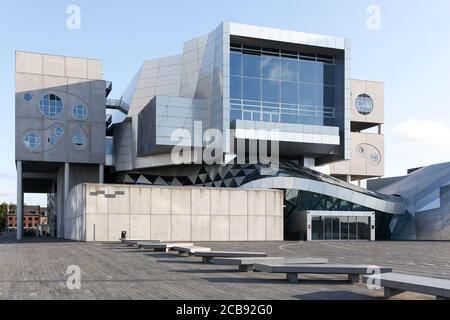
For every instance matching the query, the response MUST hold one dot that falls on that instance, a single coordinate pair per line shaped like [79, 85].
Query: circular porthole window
[79, 139]
[32, 141]
[51, 105]
[58, 131]
[28, 97]
[364, 104]
[80, 112]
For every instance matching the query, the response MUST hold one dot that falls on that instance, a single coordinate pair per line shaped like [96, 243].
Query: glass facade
[281, 86]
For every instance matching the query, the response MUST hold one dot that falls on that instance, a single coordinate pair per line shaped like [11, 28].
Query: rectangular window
[307, 94]
[307, 71]
[289, 118]
[236, 87]
[247, 115]
[289, 92]
[252, 89]
[236, 64]
[271, 91]
[266, 117]
[252, 65]
[235, 115]
[289, 69]
[271, 67]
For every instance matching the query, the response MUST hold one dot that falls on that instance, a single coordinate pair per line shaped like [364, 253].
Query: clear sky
[410, 52]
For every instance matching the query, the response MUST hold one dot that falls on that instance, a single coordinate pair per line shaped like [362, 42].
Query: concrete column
[101, 174]
[19, 208]
[349, 179]
[379, 129]
[66, 181]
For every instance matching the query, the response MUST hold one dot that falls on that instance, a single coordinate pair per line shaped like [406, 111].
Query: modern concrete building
[243, 109]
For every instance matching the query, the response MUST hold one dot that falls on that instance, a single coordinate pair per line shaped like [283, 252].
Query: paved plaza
[37, 270]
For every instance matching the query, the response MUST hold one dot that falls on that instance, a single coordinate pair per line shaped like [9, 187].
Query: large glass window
[363, 228]
[252, 65]
[51, 105]
[252, 89]
[281, 86]
[317, 228]
[271, 91]
[271, 67]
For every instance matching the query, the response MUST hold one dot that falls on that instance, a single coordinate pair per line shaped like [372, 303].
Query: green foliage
[3, 211]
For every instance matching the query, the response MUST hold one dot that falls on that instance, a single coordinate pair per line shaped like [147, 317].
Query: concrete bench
[161, 246]
[246, 264]
[189, 250]
[208, 256]
[292, 270]
[132, 243]
[396, 283]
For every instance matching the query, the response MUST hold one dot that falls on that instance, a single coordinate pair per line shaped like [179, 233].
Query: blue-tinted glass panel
[256, 116]
[275, 117]
[235, 115]
[236, 63]
[252, 89]
[252, 65]
[319, 73]
[270, 90]
[289, 118]
[271, 67]
[307, 71]
[328, 96]
[266, 117]
[236, 87]
[289, 92]
[247, 115]
[289, 69]
[307, 94]
[328, 75]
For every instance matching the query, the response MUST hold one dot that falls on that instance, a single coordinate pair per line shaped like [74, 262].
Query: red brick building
[33, 216]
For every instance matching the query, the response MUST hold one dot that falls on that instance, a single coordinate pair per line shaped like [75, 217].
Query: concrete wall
[76, 81]
[174, 214]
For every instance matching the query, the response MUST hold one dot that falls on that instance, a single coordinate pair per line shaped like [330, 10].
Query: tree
[3, 212]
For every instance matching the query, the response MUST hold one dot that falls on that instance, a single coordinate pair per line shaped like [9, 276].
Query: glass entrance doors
[340, 228]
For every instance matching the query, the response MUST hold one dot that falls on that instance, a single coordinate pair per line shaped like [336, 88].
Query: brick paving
[36, 269]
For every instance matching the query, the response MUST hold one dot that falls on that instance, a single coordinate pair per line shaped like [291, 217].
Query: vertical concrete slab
[256, 228]
[181, 201]
[140, 200]
[139, 227]
[101, 227]
[220, 202]
[181, 228]
[160, 201]
[201, 228]
[119, 200]
[200, 202]
[274, 228]
[238, 201]
[160, 227]
[238, 228]
[220, 228]
[256, 203]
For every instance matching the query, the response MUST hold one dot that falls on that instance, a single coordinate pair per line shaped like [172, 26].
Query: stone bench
[396, 283]
[161, 246]
[132, 243]
[246, 264]
[189, 250]
[208, 256]
[292, 270]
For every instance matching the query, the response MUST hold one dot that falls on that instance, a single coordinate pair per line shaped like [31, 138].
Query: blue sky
[410, 53]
